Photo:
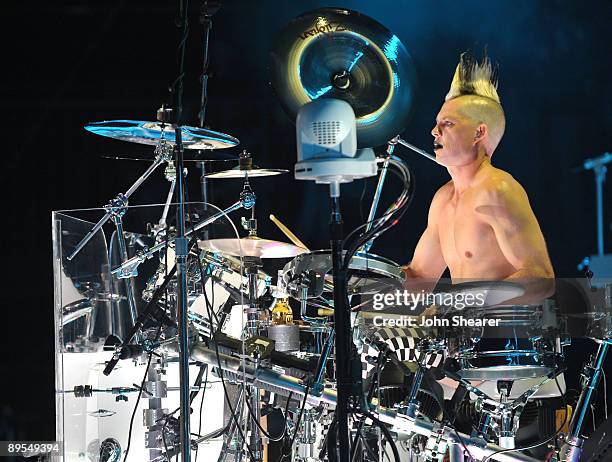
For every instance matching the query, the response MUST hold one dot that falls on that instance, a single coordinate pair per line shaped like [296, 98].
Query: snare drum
[521, 346]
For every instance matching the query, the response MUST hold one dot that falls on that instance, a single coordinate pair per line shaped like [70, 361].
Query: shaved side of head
[488, 112]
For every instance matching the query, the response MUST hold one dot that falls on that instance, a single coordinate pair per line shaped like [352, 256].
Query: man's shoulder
[499, 184]
[444, 192]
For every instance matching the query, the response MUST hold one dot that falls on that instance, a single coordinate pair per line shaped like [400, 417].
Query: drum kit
[406, 398]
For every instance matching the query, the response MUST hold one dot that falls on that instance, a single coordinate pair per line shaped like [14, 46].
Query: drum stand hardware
[501, 416]
[153, 417]
[307, 436]
[381, 181]
[251, 265]
[163, 153]
[115, 210]
[129, 267]
[400, 423]
[233, 445]
[572, 448]
[158, 230]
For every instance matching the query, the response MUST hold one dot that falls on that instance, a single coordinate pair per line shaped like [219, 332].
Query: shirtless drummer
[480, 224]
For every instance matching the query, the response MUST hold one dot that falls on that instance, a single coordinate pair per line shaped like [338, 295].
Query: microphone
[131, 351]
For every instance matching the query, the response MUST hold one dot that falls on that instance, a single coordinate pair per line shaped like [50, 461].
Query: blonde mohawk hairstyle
[473, 78]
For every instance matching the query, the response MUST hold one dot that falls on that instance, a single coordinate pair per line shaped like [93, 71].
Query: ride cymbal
[142, 132]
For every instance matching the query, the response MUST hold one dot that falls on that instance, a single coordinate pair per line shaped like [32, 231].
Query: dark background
[71, 62]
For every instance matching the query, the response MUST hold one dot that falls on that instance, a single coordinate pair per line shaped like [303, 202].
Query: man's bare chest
[464, 236]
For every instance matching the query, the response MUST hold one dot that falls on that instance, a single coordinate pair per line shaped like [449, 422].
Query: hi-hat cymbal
[236, 172]
[142, 132]
[252, 247]
[339, 53]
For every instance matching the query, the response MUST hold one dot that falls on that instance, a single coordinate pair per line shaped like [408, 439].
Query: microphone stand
[208, 9]
[181, 250]
[151, 311]
[398, 140]
[342, 325]
[598, 165]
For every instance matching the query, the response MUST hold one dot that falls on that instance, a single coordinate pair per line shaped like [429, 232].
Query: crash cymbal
[137, 131]
[252, 247]
[339, 53]
[236, 172]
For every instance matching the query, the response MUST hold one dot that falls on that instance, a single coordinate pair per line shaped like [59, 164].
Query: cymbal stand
[252, 265]
[130, 267]
[207, 10]
[598, 165]
[115, 210]
[572, 449]
[159, 229]
[163, 153]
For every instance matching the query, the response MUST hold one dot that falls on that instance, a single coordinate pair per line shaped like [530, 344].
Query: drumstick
[292, 237]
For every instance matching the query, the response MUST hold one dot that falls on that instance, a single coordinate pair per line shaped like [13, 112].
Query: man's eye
[448, 124]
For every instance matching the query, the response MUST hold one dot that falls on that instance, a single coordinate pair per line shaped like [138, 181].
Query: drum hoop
[363, 262]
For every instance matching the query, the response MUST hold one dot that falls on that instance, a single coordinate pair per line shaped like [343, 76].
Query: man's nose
[435, 132]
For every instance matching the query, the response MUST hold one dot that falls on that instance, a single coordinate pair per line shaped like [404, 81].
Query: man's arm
[505, 206]
[427, 264]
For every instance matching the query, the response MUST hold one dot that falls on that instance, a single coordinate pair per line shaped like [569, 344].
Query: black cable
[409, 187]
[207, 301]
[385, 430]
[144, 379]
[163, 431]
[380, 358]
[373, 220]
[331, 441]
[197, 383]
[227, 398]
[297, 425]
[201, 408]
[377, 230]
[451, 422]
[263, 430]
[366, 446]
[361, 199]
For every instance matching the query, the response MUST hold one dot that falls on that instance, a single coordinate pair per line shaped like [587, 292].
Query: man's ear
[481, 132]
